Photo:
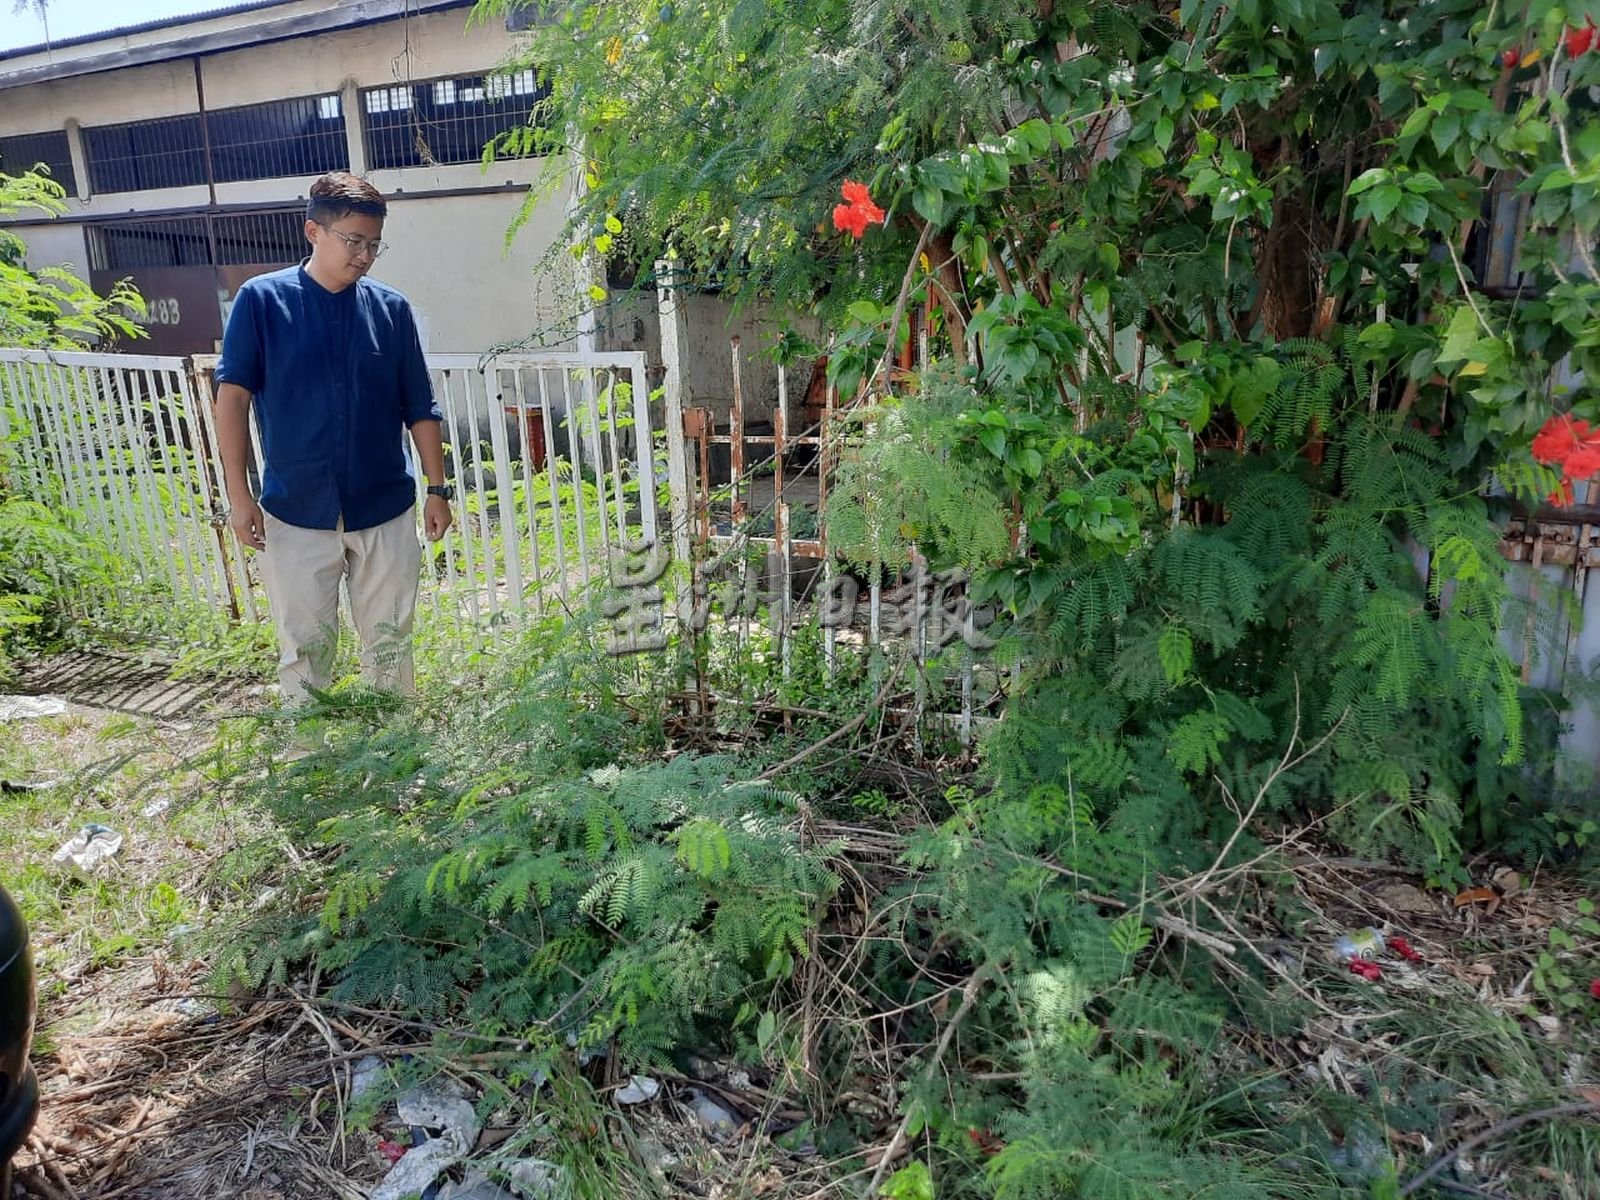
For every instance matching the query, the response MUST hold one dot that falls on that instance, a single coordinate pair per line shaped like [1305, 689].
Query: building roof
[118, 31]
[231, 27]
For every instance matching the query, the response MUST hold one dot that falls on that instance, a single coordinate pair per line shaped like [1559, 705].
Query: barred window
[304, 136]
[252, 239]
[273, 237]
[163, 153]
[447, 120]
[23, 152]
[129, 245]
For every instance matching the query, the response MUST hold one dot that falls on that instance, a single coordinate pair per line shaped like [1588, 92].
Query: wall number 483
[164, 311]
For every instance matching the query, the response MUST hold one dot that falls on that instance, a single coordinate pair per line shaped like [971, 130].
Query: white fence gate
[550, 454]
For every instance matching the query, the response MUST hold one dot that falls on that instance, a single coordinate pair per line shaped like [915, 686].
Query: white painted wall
[388, 52]
[58, 245]
[449, 258]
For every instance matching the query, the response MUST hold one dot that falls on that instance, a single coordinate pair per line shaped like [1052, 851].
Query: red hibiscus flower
[1575, 446]
[1582, 462]
[857, 212]
[1579, 40]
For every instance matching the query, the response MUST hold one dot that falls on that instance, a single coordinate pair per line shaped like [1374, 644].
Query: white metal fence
[549, 452]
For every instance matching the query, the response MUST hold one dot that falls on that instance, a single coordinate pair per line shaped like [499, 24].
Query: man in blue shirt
[333, 364]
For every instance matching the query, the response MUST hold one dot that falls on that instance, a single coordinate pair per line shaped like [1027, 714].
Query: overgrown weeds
[537, 872]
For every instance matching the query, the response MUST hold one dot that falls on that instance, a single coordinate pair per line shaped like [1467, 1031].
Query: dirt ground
[156, 1087]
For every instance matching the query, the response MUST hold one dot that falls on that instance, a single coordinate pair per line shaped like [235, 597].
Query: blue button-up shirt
[334, 376]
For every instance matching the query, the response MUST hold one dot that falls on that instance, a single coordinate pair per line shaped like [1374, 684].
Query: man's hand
[249, 526]
[435, 517]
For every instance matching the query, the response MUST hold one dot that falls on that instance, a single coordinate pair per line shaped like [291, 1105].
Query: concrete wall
[449, 257]
[56, 246]
[630, 323]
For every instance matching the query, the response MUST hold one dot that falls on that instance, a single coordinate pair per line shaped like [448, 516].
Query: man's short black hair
[339, 193]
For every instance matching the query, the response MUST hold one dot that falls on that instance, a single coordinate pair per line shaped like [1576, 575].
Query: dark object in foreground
[19, 1090]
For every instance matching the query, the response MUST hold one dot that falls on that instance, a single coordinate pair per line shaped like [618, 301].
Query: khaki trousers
[302, 569]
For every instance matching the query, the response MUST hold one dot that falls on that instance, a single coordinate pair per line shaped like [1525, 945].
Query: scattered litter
[92, 845]
[1363, 944]
[393, 1151]
[637, 1090]
[535, 1179]
[27, 708]
[364, 1076]
[193, 1006]
[1368, 970]
[425, 1108]
[156, 807]
[476, 1186]
[712, 1115]
[417, 1170]
[432, 1106]
[529, 1179]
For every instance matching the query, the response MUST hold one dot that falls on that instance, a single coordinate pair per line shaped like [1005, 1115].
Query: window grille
[130, 245]
[274, 237]
[447, 120]
[163, 153]
[303, 136]
[252, 239]
[23, 152]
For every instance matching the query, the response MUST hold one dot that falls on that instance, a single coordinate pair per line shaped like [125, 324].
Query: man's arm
[429, 439]
[233, 437]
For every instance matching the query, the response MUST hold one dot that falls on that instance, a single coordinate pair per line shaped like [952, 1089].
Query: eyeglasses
[357, 243]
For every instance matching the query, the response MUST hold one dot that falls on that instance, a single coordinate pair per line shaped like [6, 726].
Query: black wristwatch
[443, 490]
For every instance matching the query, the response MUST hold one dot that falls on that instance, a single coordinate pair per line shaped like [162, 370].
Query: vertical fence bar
[529, 494]
[644, 450]
[580, 502]
[504, 485]
[597, 455]
[552, 464]
[489, 584]
[736, 509]
[617, 492]
[445, 588]
[469, 573]
[429, 568]
[200, 381]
